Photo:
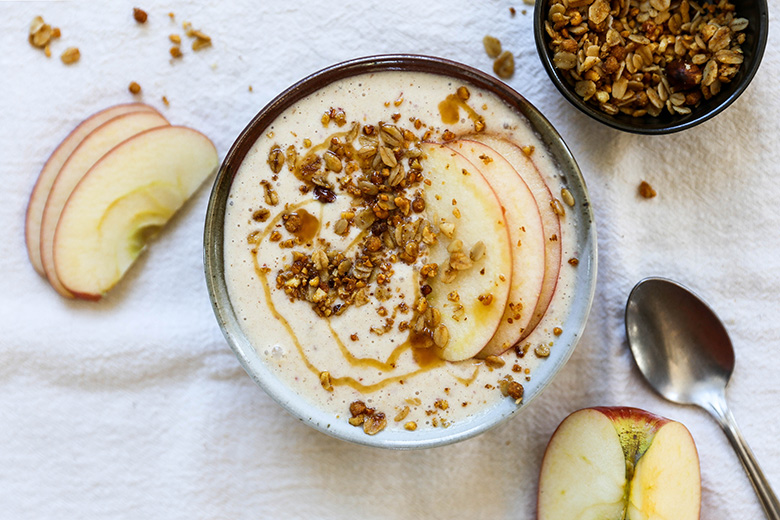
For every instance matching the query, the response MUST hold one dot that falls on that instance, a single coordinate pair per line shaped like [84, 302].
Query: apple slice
[122, 201]
[471, 304]
[91, 149]
[526, 168]
[40, 192]
[620, 463]
[526, 237]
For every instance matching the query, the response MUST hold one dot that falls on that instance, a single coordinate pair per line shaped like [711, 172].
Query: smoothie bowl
[400, 251]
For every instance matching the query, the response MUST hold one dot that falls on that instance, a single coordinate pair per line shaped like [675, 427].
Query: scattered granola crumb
[175, 38]
[504, 66]
[134, 87]
[171, 15]
[492, 46]
[70, 56]
[176, 52]
[165, 101]
[139, 15]
[41, 33]
[646, 191]
[410, 426]
[250, 88]
[512, 12]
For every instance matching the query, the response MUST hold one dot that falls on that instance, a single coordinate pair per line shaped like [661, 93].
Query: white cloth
[135, 407]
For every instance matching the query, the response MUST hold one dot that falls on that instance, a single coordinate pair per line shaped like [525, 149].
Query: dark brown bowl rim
[621, 124]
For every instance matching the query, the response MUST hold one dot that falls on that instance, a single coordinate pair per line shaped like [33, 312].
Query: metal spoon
[684, 352]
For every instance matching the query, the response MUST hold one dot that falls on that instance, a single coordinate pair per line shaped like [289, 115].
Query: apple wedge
[89, 152]
[40, 192]
[526, 237]
[470, 295]
[550, 221]
[620, 463]
[122, 201]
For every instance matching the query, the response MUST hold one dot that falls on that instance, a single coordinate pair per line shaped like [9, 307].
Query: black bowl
[755, 11]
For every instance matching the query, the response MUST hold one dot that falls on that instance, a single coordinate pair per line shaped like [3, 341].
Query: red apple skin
[630, 424]
[552, 227]
[40, 191]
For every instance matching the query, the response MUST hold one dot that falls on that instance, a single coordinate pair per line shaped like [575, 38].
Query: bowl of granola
[651, 66]
[400, 251]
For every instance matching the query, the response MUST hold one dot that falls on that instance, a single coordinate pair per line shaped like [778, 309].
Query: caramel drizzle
[353, 360]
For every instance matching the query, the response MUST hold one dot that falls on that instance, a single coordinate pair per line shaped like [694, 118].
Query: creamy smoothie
[350, 280]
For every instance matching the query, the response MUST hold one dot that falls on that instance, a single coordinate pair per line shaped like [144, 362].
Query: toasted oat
[494, 362]
[40, 33]
[374, 423]
[492, 46]
[175, 38]
[504, 66]
[70, 55]
[441, 336]
[567, 197]
[402, 414]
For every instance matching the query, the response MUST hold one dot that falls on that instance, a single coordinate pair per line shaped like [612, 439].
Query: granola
[645, 57]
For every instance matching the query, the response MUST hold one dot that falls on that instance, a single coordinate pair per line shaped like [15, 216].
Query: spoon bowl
[684, 352]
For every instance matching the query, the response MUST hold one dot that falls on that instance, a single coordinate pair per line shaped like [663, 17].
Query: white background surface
[135, 406]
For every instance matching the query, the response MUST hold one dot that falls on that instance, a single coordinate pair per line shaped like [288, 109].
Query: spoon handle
[719, 409]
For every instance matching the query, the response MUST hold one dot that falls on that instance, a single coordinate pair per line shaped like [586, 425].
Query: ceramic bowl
[755, 11]
[247, 353]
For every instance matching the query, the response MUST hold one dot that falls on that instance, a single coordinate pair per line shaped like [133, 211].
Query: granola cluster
[380, 169]
[641, 57]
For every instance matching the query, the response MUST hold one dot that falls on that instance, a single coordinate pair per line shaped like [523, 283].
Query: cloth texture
[135, 406]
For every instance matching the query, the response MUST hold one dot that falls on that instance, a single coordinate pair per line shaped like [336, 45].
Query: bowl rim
[249, 358]
[544, 55]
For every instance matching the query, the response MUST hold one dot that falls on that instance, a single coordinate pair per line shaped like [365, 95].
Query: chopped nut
[485, 299]
[516, 391]
[325, 381]
[646, 191]
[459, 261]
[139, 15]
[542, 351]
